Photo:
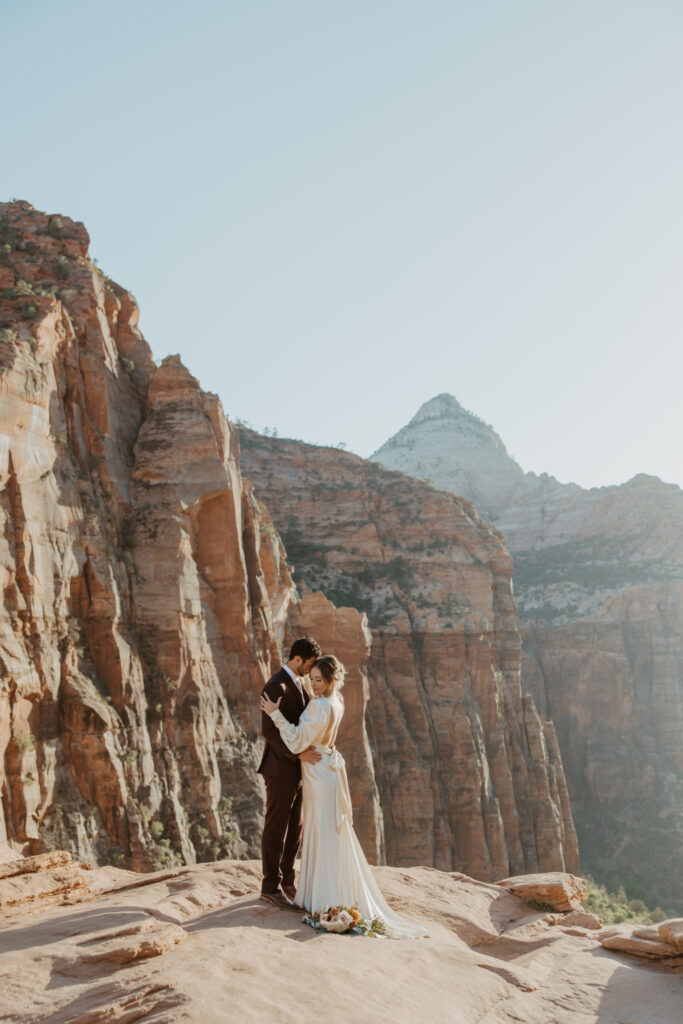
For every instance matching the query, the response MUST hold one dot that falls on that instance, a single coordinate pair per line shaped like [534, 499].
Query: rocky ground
[83, 946]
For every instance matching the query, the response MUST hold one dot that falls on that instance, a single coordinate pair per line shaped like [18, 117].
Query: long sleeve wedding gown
[334, 871]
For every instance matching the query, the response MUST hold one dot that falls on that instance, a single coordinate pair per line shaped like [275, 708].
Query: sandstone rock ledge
[657, 942]
[558, 889]
[195, 944]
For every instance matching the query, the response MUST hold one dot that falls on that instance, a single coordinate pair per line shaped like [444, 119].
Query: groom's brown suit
[281, 770]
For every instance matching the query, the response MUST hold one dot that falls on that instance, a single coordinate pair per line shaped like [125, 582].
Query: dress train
[334, 869]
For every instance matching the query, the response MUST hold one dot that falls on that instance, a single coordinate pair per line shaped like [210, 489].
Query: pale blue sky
[335, 210]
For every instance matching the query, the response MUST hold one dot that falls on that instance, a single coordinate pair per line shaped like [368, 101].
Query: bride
[334, 871]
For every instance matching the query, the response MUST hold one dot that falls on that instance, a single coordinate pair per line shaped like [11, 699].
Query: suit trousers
[282, 831]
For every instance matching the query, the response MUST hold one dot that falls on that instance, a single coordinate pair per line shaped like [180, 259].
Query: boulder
[556, 889]
[672, 932]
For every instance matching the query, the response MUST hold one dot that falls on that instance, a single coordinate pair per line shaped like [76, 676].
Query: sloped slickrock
[638, 946]
[598, 578]
[468, 777]
[147, 925]
[49, 879]
[487, 959]
[582, 919]
[559, 890]
[119, 952]
[28, 865]
[57, 884]
[115, 1005]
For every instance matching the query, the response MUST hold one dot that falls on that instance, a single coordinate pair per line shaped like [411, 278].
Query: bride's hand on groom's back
[268, 705]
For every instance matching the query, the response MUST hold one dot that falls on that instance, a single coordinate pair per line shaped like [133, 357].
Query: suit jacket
[278, 760]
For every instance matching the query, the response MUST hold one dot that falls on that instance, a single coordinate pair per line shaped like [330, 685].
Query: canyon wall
[147, 595]
[467, 774]
[145, 590]
[598, 578]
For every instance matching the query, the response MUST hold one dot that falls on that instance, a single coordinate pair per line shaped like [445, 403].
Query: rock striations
[145, 590]
[146, 596]
[484, 474]
[599, 587]
[195, 944]
[468, 777]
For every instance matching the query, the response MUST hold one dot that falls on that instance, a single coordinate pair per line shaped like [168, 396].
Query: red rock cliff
[467, 777]
[146, 594]
[145, 590]
[598, 578]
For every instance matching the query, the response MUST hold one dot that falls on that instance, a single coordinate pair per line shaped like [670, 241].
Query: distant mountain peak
[459, 424]
[447, 407]
[457, 451]
[442, 406]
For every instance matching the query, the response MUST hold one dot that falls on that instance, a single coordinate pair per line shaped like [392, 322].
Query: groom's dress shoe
[278, 899]
[290, 892]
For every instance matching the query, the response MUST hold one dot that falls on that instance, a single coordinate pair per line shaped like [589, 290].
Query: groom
[281, 771]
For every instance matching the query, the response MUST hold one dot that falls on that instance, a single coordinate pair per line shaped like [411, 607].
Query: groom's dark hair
[305, 648]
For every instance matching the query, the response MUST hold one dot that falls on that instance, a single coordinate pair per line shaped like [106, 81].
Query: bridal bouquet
[346, 920]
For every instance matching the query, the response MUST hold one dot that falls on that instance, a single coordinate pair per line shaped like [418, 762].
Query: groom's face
[306, 666]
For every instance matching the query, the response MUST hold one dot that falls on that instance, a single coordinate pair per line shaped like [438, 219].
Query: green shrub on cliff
[616, 908]
[55, 227]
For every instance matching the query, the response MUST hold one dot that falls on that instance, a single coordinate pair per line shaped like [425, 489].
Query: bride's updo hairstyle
[332, 671]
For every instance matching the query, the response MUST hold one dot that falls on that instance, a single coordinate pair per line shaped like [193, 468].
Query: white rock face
[456, 451]
[574, 548]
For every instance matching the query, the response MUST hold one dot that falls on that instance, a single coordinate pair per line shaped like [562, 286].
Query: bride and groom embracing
[308, 804]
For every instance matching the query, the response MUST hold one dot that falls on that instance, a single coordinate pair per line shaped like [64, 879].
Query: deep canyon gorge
[147, 594]
[598, 583]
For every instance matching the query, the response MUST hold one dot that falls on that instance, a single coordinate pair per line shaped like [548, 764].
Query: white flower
[341, 922]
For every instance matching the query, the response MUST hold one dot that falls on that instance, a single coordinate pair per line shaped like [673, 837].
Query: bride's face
[317, 682]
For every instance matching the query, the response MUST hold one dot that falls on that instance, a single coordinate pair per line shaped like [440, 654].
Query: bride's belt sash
[342, 795]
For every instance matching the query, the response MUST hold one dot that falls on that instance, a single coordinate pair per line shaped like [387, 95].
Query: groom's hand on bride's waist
[310, 756]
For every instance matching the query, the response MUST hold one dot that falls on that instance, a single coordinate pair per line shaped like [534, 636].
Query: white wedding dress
[334, 871]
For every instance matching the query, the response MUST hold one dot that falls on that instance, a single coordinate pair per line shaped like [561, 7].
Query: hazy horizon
[324, 444]
[335, 212]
